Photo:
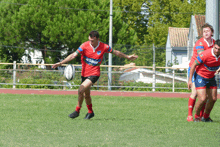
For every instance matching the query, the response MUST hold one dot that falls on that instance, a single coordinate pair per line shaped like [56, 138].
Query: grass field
[42, 120]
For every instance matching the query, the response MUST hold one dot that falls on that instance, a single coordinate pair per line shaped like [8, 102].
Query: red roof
[200, 21]
[178, 36]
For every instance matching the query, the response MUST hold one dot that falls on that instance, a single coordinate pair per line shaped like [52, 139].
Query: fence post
[173, 80]
[14, 74]
[154, 70]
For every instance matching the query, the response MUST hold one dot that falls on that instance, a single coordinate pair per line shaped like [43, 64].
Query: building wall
[168, 51]
[175, 53]
[180, 56]
[212, 16]
[193, 34]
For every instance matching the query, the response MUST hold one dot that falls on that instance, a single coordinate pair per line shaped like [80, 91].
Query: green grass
[42, 120]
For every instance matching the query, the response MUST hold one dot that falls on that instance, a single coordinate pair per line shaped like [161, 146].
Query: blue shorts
[203, 83]
[193, 77]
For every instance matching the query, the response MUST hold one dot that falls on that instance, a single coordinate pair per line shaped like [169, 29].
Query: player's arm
[67, 59]
[122, 55]
[217, 71]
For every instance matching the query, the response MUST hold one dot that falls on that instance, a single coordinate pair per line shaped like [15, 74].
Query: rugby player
[204, 43]
[207, 64]
[92, 52]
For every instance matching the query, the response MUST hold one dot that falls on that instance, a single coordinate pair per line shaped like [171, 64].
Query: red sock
[89, 108]
[78, 108]
[202, 111]
[191, 104]
[206, 115]
[197, 116]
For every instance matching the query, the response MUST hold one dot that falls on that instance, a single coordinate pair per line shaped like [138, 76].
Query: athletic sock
[78, 108]
[206, 115]
[89, 108]
[202, 111]
[197, 116]
[191, 104]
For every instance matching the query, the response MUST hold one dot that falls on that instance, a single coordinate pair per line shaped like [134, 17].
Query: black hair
[217, 42]
[94, 34]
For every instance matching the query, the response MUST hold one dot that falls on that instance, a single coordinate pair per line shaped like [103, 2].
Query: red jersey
[208, 64]
[91, 57]
[201, 45]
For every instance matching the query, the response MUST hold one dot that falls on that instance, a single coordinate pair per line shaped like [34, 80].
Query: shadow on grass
[218, 121]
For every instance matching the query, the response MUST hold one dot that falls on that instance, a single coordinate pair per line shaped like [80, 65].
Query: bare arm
[67, 59]
[122, 55]
[217, 71]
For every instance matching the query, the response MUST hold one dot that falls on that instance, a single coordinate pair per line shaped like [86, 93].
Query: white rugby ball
[69, 72]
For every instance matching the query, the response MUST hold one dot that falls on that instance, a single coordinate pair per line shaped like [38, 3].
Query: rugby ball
[69, 72]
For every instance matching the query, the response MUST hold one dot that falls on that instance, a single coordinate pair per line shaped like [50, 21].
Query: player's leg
[88, 101]
[86, 84]
[201, 99]
[212, 98]
[191, 103]
[203, 109]
[192, 99]
[88, 98]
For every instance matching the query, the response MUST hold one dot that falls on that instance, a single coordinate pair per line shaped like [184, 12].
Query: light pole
[110, 44]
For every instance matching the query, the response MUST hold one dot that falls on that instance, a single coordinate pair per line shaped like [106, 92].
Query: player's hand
[56, 65]
[132, 57]
[189, 85]
[217, 71]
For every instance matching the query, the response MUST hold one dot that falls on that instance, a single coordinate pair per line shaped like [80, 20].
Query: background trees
[162, 14]
[62, 25]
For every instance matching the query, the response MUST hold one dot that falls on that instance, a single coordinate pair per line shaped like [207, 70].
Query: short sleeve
[108, 49]
[80, 49]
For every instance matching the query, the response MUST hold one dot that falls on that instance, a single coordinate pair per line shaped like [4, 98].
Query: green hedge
[47, 78]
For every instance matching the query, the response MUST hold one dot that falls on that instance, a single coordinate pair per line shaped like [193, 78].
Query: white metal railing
[151, 71]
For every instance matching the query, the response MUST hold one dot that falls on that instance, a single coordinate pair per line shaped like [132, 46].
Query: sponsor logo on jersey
[99, 52]
[91, 61]
[200, 43]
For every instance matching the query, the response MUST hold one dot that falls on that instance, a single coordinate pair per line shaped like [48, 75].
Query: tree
[62, 25]
[133, 14]
[168, 13]
[59, 25]
[8, 51]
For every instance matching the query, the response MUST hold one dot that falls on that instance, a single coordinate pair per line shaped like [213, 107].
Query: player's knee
[214, 99]
[203, 99]
[81, 90]
[193, 95]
